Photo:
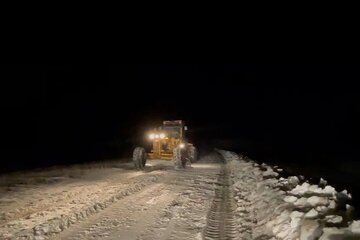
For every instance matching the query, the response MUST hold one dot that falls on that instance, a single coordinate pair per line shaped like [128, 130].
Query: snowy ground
[271, 207]
[223, 196]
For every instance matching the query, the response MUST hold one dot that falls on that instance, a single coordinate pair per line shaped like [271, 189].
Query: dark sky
[78, 112]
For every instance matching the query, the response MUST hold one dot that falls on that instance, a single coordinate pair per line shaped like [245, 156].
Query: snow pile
[307, 189]
[284, 208]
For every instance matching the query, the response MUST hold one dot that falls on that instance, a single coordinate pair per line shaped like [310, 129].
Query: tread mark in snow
[221, 220]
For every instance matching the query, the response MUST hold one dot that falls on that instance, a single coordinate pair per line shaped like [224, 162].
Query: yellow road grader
[168, 143]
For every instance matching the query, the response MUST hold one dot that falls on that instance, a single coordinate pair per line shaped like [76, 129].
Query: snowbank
[270, 206]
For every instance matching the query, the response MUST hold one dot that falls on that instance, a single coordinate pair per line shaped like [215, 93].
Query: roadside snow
[333, 219]
[312, 214]
[310, 230]
[355, 227]
[284, 208]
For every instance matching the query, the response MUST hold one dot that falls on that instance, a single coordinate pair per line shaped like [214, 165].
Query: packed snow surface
[223, 196]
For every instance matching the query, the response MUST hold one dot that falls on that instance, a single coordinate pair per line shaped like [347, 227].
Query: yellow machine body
[165, 138]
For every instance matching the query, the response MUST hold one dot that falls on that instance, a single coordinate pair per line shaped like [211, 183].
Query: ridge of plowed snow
[276, 208]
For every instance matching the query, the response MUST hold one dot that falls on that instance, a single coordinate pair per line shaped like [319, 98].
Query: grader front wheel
[139, 158]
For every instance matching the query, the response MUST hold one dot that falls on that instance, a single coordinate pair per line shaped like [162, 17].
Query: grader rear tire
[139, 158]
[179, 158]
[193, 154]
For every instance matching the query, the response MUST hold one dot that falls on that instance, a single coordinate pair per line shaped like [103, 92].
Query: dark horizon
[62, 114]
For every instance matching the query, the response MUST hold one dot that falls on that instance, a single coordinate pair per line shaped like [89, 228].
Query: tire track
[221, 220]
[124, 219]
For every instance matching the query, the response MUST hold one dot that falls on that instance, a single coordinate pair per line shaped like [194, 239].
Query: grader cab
[168, 143]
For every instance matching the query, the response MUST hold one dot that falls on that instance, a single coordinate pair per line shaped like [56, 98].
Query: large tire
[179, 158]
[193, 154]
[135, 158]
[139, 158]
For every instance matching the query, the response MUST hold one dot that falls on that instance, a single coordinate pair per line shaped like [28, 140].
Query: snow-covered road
[116, 203]
[174, 207]
[223, 196]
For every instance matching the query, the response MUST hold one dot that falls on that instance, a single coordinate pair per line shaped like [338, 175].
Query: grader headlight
[181, 145]
[162, 135]
[151, 136]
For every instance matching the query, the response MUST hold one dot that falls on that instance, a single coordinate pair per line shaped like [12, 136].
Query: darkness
[304, 117]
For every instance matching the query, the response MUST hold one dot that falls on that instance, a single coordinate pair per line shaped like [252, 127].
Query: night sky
[286, 113]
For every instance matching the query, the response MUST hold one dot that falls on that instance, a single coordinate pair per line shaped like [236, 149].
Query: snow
[349, 209]
[332, 204]
[290, 199]
[293, 180]
[329, 233]
[322, 182]
[322, 209]
[300, 190]
[302, 203]
[238, 198]
[270, 173]
[306, 188]
[295, 219]
[45, 209]
[311, 214]
[355, 227]
[310, 230]
[329, 190]
[344, 195]
[334, 219]
[298, 212]
[315, 201]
